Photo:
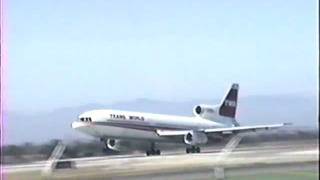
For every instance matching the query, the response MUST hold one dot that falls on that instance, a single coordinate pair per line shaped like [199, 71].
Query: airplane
[113, 127]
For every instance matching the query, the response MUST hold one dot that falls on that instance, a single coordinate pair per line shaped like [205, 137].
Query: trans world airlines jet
[114, 126]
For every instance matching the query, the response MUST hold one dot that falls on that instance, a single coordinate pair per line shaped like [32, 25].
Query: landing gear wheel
[153, 150]
[197, 149]
[193, 149]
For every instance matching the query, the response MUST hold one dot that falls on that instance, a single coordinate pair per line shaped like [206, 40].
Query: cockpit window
[86, 119]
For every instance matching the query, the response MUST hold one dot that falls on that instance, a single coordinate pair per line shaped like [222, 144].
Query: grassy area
[280, 176]
[25, 175]
[272, 176]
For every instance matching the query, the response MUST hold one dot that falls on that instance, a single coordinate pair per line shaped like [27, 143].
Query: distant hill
[43, 126]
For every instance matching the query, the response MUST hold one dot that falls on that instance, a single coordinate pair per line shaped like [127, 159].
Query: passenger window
[81, 119]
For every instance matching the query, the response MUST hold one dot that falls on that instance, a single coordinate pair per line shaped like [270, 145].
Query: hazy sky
[66, 53]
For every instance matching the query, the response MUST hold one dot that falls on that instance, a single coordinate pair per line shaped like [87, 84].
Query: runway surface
[259, 158]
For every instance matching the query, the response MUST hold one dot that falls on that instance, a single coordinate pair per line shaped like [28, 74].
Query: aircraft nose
[84, 127]
[72, 125]
[77, 124]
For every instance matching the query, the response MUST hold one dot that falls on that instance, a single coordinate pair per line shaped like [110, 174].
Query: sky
[69, 53]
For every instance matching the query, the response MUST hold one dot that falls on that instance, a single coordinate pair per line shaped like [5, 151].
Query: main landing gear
[153, 151]
[193, 149]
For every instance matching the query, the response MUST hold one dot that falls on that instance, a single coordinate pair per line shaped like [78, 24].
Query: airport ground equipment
[54, 161]
[225, 152]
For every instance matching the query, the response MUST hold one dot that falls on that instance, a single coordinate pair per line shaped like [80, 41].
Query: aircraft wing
[237, 129]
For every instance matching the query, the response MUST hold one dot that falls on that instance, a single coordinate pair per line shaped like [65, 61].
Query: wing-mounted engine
[195, 138]
[117, 145]
[205, 111]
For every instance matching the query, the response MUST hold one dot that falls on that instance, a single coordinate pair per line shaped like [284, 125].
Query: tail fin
[228, 105]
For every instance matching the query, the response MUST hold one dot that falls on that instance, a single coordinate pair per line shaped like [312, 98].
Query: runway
[273, 156]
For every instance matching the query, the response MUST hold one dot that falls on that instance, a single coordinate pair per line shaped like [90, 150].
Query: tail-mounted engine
[205, 111]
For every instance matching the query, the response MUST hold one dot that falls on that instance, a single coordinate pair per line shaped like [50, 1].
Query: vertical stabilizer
[228, 105]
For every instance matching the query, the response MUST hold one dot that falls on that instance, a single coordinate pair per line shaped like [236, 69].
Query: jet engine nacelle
[205, 111]
[116, 145]
[195, 138]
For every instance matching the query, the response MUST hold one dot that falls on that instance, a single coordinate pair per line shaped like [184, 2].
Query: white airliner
[114, 126]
